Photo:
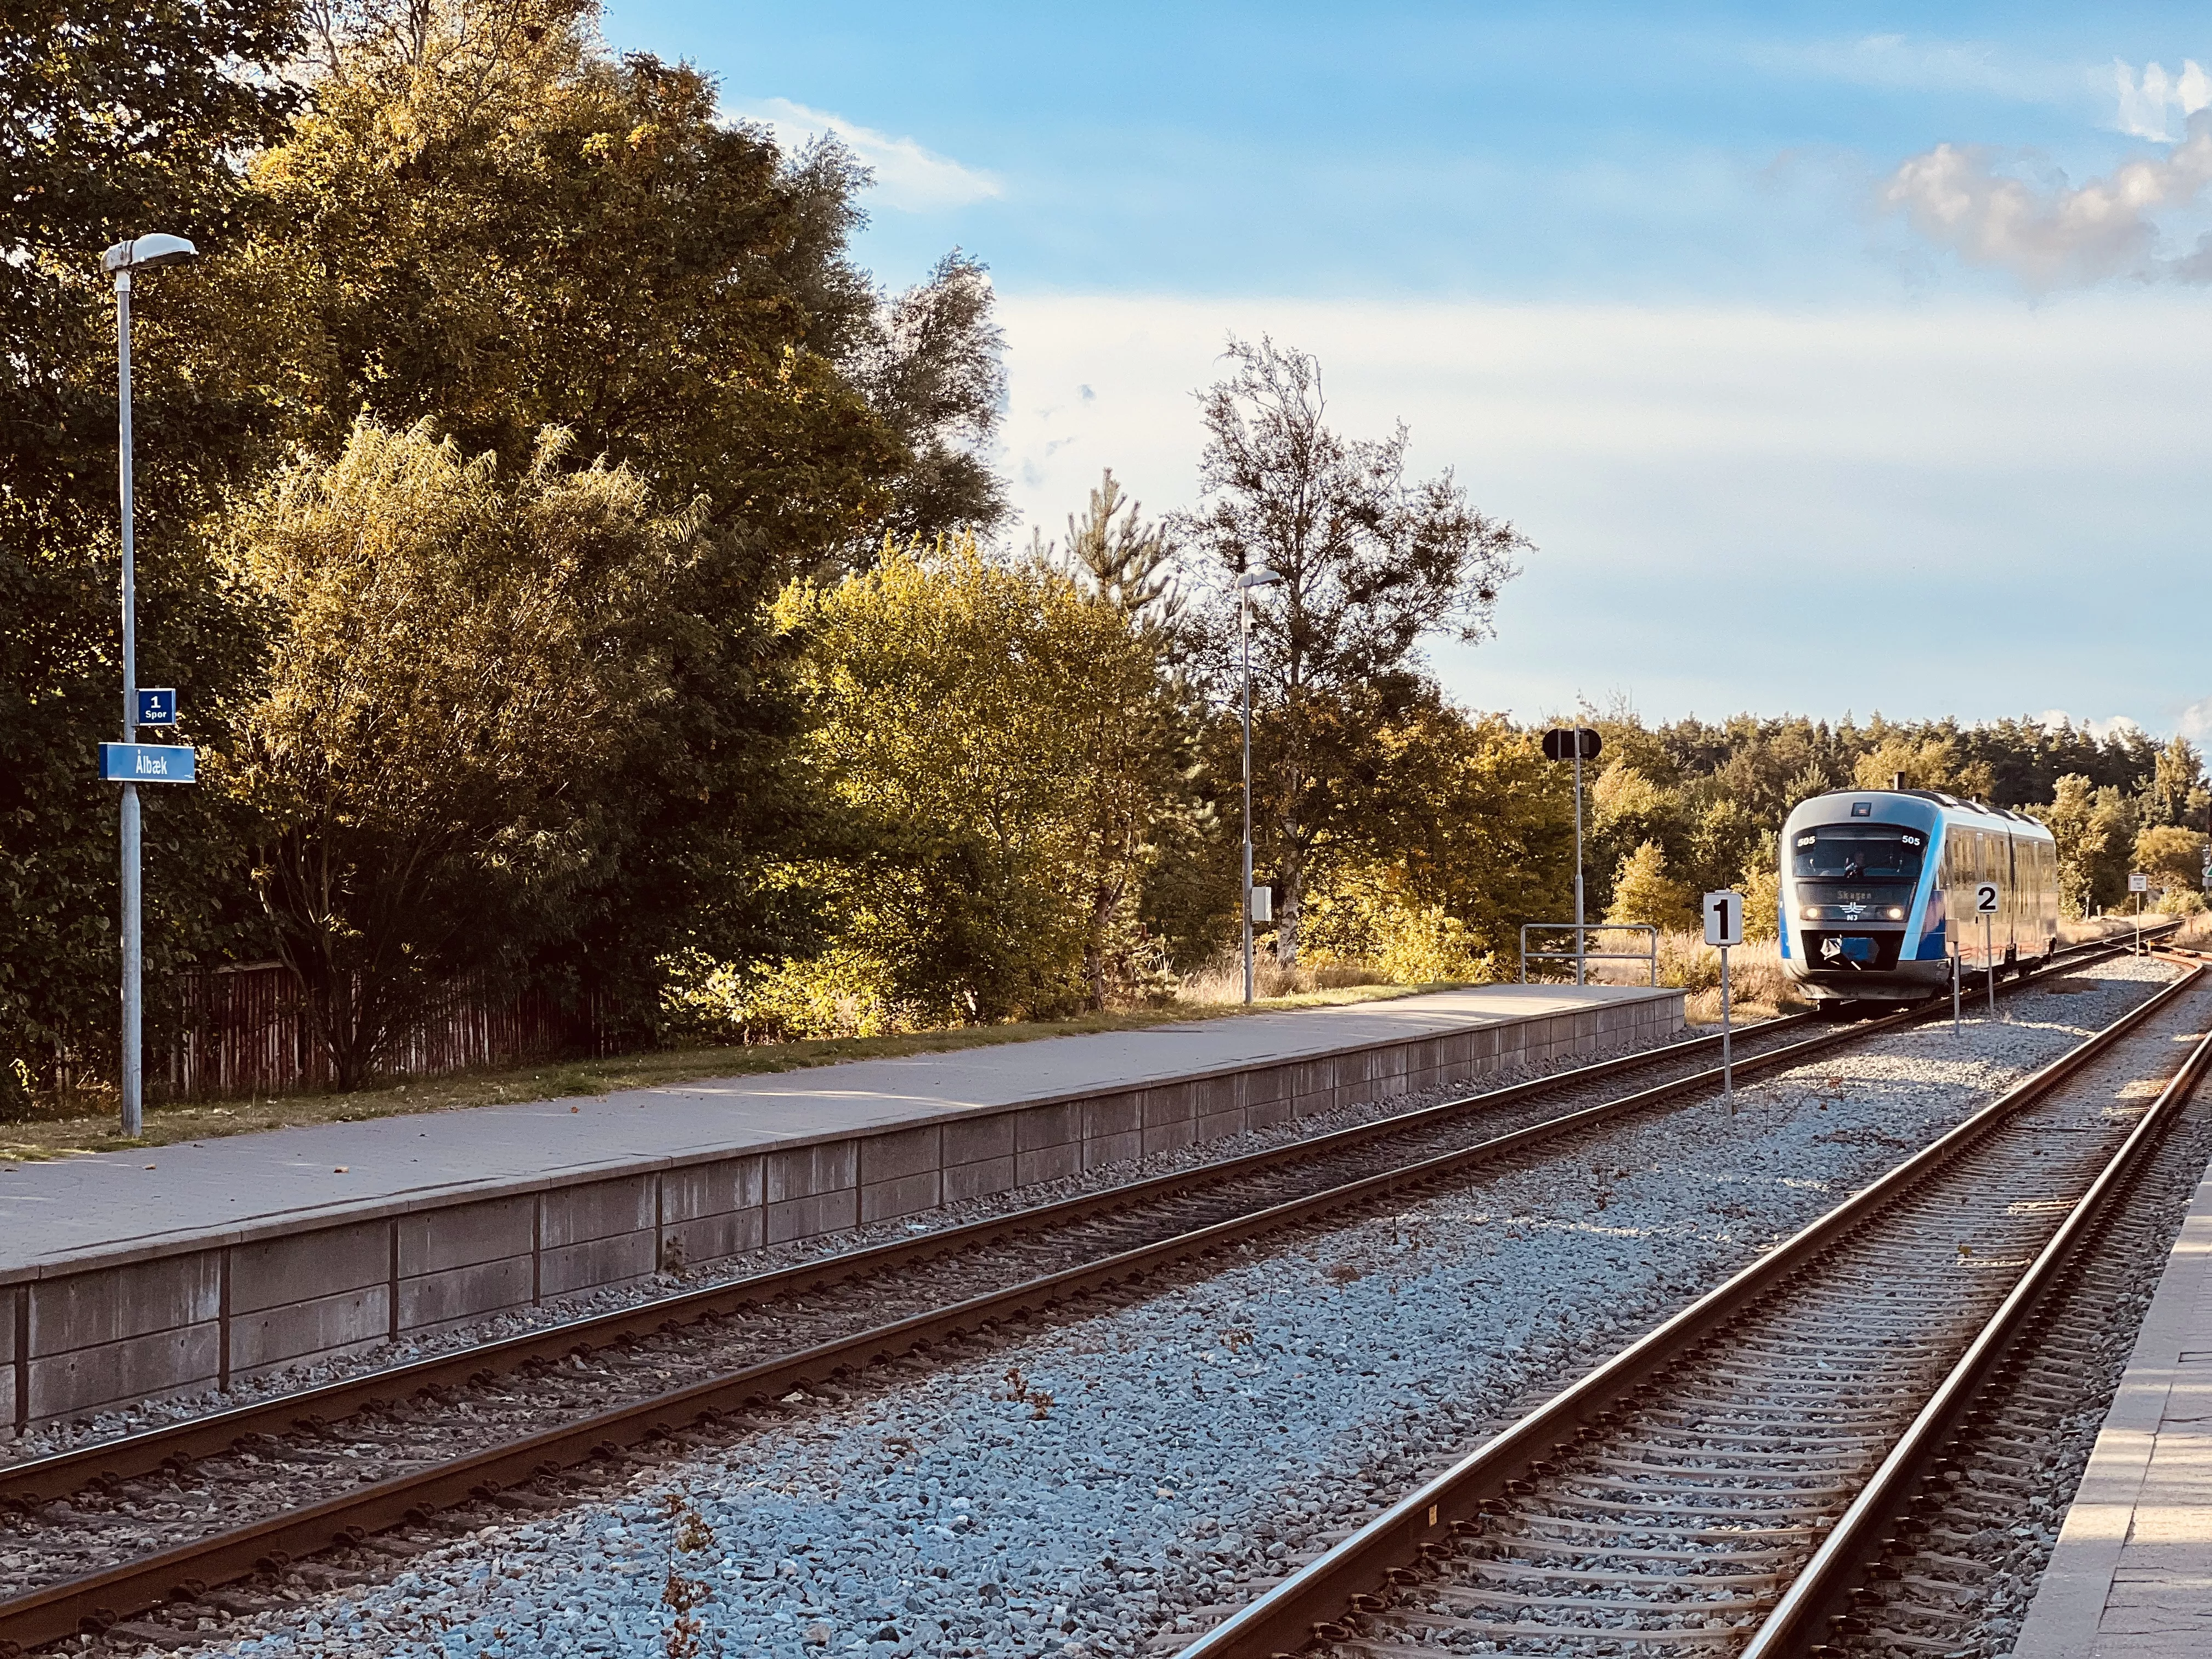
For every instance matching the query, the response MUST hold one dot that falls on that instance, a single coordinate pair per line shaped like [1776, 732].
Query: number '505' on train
[1880, 890]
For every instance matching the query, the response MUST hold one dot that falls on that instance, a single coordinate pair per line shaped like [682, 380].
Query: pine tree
[1129, 564]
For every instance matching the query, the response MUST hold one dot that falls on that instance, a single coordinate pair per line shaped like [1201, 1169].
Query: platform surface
[53, 1213]
[2132, 1575]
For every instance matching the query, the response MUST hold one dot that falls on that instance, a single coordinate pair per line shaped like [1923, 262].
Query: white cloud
[1704, 485]
[2051, 236]
[2146, 98]
[908, 177]
[2195, 721]
[2050, 720]
[1909, 63]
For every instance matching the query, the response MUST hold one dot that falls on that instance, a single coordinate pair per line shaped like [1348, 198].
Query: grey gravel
[1083, 1488]
[47, 1438]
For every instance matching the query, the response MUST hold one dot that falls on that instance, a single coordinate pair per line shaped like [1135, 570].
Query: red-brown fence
[248, 1030]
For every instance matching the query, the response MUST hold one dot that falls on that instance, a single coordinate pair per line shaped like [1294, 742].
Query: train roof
[1951, 807]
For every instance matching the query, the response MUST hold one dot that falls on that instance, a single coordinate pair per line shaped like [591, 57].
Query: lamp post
[1259, 576]
[138, 254]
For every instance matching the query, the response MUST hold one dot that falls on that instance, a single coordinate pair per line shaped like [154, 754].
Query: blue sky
[1834, 358]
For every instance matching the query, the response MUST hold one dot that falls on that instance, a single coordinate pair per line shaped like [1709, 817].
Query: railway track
[2017, 1459]
[260, 1487]
[1747, 1479]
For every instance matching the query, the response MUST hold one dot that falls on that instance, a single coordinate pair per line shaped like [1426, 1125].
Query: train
[1880, 889]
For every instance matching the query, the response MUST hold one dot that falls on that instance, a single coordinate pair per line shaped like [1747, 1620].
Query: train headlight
[1808, 912]
[1895, 913]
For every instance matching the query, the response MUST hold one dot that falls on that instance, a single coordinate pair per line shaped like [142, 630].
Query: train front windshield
[1857, 851]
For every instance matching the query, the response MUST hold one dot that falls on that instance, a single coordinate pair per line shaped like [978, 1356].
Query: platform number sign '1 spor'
[1724, 927]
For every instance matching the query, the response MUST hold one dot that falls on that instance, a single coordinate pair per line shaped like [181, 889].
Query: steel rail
[95, 1600]
[36, 1480]
[1312, 1603]
[1818, 1598]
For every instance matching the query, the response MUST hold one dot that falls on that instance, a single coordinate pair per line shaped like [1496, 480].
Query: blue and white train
[1879, 887]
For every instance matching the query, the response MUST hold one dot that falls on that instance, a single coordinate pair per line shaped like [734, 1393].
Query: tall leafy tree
[118, 119]
[485, 219]
[930, 362]
[2177, 782]
[463, 658]
[1462, 832]
[1370, 562]
[488, 221]
[985, 730]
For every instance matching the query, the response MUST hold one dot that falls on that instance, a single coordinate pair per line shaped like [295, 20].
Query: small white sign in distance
[1724, 918]
[2138, 882]
[1985, 898]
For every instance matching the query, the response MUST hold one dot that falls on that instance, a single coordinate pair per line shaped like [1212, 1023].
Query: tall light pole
[1259, 576]
[139, 254]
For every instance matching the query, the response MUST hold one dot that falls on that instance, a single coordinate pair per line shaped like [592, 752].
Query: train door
[1954, 876]
[2015, 902]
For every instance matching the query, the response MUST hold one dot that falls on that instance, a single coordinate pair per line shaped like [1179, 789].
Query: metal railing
[1581, 954]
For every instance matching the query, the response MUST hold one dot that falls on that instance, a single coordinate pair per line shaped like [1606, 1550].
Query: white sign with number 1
[1724, 927]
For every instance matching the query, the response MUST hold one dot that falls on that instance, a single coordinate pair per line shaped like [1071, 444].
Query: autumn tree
[463, 658]
[2094, 829]
[2172, 856]
[930, 361]
[2177, 786]
[1462, 831]
[1370, 562]
[488, 221]
[1643, 891]
[985, 730]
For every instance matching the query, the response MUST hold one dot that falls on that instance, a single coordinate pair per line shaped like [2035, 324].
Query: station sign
[147, 762]
[157, 705]
[2138, 882]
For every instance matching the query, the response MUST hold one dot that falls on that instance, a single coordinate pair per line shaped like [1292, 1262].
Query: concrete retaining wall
[75, 1338]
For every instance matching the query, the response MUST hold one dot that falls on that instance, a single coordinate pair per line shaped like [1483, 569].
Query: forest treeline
[579, 574]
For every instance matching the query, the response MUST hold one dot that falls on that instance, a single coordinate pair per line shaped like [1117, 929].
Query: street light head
[1258, 576]
[159, 249]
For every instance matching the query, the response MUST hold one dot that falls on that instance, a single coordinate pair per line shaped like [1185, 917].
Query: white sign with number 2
[1985, 898]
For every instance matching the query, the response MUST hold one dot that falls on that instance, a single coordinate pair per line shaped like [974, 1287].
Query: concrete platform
[2132, 1571]
[131, 1274]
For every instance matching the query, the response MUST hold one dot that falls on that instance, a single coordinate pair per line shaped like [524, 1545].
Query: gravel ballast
[1082, 1488]
[45, 1439]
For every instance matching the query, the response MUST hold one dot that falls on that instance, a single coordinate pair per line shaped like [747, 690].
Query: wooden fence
[248, 1030]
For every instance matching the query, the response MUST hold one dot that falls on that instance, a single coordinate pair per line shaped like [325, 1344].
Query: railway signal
[1577, 744]
[1724, 928]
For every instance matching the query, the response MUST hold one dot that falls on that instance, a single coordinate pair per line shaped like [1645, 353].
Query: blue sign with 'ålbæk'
[146, 762]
